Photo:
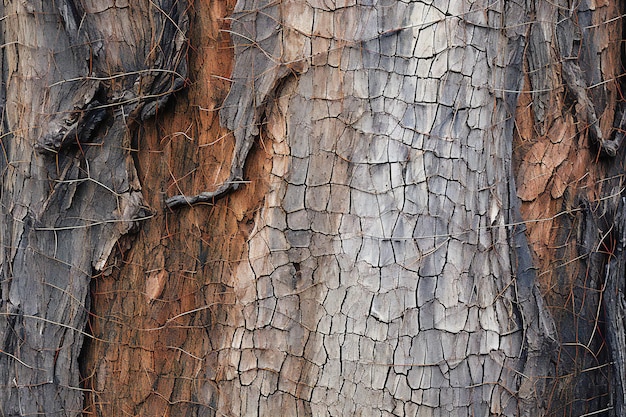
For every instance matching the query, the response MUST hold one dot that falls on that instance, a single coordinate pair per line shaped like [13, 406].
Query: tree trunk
[381, 278]
[411, 208]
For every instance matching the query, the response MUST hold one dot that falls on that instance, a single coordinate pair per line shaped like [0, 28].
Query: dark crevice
[614, 306]
[82, 360]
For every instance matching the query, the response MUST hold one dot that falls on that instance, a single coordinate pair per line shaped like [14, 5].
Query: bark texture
[385, 274]
[430, 221]
[154, 311]
[384, 235]
[568, 130]
[76, 75]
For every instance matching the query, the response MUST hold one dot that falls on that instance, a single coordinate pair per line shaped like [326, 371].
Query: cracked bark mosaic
[374, 208]
[380, 277]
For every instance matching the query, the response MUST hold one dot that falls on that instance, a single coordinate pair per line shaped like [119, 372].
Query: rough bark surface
[76, 75]
[405, 230]
[568, 130]
[154, 311]
[380, 276]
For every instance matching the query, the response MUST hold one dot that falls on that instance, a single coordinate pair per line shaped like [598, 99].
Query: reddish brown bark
[156, 307]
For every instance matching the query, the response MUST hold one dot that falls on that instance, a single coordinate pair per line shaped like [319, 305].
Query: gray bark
[384, 273]
[76, 76]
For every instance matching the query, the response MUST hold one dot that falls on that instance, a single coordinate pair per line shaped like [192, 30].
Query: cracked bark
[75, 75]
[413, 235]
[384, 269]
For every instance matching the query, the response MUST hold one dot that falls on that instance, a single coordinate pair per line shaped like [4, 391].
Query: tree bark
[386, 277]
[570, 187]
[420, 208]
[76, 75]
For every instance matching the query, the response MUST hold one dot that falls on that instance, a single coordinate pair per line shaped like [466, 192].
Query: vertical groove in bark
[539, 327]
[65, 207]
[158, 312]
[614, 304]
[379, 278]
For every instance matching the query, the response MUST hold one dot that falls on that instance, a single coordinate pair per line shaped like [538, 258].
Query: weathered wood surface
[376, 260]
[379, 277]
[76, 75]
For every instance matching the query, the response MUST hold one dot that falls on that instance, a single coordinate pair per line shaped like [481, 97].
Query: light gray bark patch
[540, 42]
[72, 15]
[424, 162]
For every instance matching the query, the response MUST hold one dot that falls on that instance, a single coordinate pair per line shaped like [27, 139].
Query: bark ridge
[76, 75]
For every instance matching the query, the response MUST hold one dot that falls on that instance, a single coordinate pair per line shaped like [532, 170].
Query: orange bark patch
[157, 307]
